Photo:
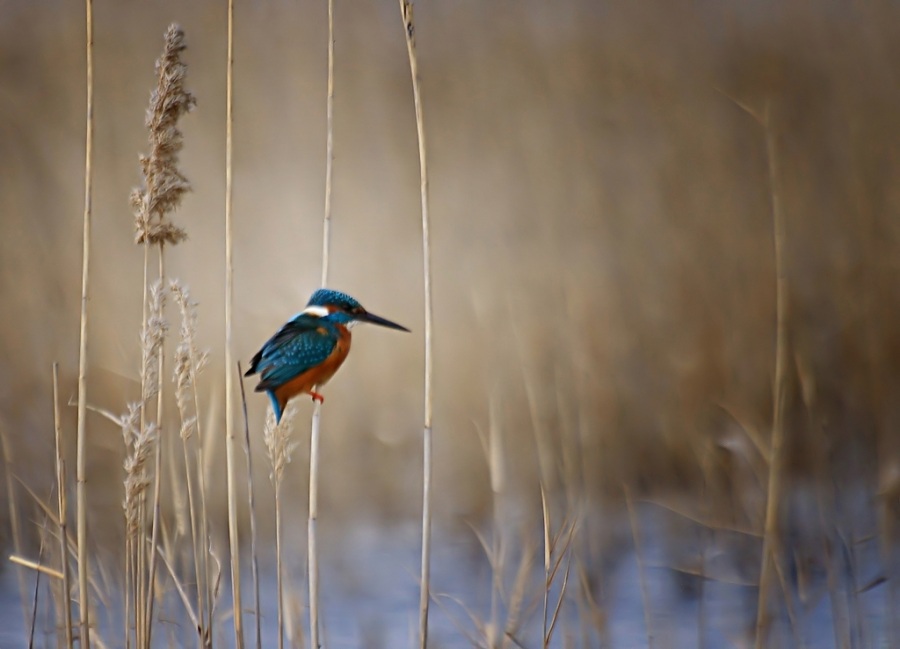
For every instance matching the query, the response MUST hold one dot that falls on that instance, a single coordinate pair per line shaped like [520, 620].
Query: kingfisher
[306, 352]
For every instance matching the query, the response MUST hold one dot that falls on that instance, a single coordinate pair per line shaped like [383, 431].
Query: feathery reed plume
[81, 427]
[277, 437]
[164, 185]
[406, 14]
[230, 438]
[161, 192]
[140, 440]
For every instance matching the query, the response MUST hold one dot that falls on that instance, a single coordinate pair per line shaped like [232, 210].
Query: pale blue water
[370, 595]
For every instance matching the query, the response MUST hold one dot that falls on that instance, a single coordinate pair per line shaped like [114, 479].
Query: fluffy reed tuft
[152, 337]
[164, 185]
[280, 446]
[189, 360]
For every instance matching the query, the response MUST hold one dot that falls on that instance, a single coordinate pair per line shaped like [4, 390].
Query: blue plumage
[301, 344]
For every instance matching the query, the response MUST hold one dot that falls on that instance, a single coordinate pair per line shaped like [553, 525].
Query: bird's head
[342, 309]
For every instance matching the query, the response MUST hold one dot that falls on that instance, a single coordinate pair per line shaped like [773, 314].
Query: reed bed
[667, 401]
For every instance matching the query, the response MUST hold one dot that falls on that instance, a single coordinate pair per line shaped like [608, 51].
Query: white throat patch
[318, 311]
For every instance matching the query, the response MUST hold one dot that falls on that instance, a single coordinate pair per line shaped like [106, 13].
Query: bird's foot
[317, 397]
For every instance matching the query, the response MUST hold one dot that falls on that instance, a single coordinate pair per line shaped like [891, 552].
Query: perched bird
[310, 348]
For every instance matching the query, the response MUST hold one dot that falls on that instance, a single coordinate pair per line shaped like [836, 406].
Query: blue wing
[300, 345]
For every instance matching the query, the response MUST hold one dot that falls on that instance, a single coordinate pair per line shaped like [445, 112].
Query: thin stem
[14, 521]
[406, 14]
[311, 544]
[62, 507]
[157, 478]
[254, 566]
[312, 549]
[230, 440]
[329, 147]
[81, 431]
[545, 516]
[771, 541]
[638, 554]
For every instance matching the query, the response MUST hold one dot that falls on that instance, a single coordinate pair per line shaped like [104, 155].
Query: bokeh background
[602, 243]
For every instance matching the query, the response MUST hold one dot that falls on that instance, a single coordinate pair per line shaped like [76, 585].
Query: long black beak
[378, 320]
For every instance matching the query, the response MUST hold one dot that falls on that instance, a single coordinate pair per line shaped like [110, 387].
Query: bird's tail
[276, 406]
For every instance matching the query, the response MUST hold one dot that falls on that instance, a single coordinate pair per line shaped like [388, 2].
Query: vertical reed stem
[230, 440]
[311, 545]
[312, 548]
[406, 14]
[771, 540]
[62, 508]
[329, 148]
[157, 477]
[81, 442]
[254, 566]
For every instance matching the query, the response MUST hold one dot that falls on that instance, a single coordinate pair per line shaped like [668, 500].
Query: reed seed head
[164, 184]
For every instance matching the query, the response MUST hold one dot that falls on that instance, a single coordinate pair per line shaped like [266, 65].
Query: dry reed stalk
[277, 437]
[160, 194]
[254, 555]
[14, 520]
[497, 473]
[137, 470]
[312, 517]
[37, 566]
[40, 569]
[189, 363]
[329, 148]
[81, 430]
[406, 15]
[638, 554]
[62, 507]
[315, 427]
[498, 550]
[149, 598]
[230, 437]
[140, 439]
[771, 539]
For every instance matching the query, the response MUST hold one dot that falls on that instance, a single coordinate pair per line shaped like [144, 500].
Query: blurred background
[603, 253]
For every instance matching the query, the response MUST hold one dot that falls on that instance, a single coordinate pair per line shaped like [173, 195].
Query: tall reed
[189, 363]
[62, 511]
[251, 501]
[160, 194]
[230, 437]
[406, 15]
[771, 555]
[313, 513]
[81, 431]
